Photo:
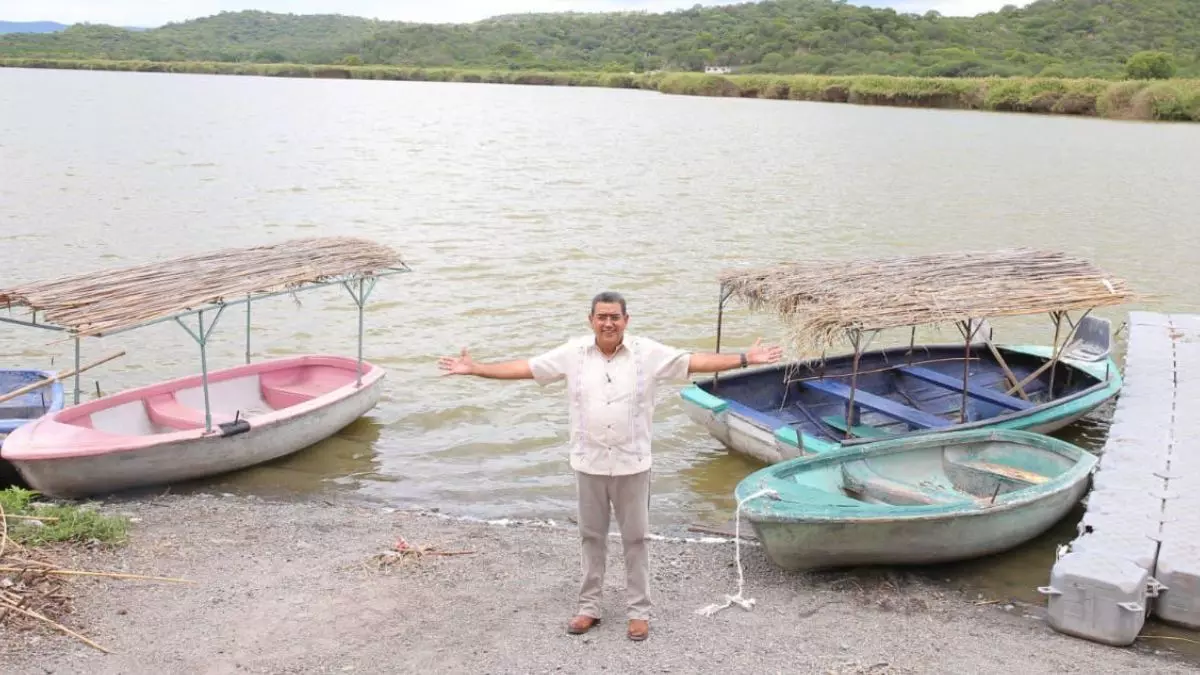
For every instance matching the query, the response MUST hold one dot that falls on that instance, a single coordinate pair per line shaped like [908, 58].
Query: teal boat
[825, 403]
[914, 501]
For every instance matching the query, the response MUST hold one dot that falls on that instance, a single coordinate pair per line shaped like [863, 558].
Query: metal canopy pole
[720, 319]
[1056, 353]
[1058, 317]
[77, 387]
[365, 287]
[851, 413]
[201, 338]
[31, 324]
[968, 330]
[247, 330]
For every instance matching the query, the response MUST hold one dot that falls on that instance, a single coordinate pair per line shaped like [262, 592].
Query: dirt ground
[300, 587]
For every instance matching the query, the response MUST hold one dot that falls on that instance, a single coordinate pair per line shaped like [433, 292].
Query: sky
[150, 13]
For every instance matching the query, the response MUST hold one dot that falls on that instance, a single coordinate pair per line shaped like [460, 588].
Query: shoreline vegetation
[1148, 100]
[35, 538]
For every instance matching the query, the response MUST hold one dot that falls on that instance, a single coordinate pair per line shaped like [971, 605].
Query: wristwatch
[744, 361]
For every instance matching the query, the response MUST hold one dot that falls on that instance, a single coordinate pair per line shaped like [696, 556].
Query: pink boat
[157, 434]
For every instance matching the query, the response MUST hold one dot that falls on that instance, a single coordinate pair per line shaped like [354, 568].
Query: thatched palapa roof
[823, 299]
[107, 301]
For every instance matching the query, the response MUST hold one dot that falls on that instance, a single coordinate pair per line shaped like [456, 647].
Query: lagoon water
[514, 205]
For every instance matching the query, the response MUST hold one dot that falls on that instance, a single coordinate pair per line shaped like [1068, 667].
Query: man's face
[608, 323]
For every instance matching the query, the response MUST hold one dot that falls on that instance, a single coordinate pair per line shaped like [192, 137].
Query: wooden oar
[58, 376]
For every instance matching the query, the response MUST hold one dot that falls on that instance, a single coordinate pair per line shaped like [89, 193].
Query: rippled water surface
[514, 205]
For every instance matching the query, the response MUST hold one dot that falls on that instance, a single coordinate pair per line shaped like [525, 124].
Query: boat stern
[739, 428]
[27, 407]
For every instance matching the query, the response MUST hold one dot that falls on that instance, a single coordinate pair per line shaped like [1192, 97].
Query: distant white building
[717, 70]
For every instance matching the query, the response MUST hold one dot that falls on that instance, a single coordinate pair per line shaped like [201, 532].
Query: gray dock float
[1138, 547]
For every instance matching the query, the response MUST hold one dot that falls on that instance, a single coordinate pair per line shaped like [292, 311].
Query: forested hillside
[1072, 38]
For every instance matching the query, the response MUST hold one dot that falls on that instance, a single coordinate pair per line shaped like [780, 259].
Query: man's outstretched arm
[505, 370]
[715, 362]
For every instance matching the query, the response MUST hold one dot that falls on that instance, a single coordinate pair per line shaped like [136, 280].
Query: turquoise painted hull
[917, 500]
[769, 438]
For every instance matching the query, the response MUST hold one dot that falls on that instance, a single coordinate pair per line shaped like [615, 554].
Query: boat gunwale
[1084, 465]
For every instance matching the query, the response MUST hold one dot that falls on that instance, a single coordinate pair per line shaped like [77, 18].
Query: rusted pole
[968, 334]
[1057, 352]
[1054, 358]
[720, 319]
[851, 417]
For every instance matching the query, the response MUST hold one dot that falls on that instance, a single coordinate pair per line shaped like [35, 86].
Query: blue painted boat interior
[895, 391]
[28, 406]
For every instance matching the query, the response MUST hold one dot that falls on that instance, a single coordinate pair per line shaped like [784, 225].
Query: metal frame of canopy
[359, 285]
[969, 328]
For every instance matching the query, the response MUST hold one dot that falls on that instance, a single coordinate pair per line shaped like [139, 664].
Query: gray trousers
[629, 498]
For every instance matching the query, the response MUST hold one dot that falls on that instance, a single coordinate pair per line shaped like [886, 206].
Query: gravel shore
[300, 587]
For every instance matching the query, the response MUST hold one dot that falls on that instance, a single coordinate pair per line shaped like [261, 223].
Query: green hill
[1071, 38]
[249, 36]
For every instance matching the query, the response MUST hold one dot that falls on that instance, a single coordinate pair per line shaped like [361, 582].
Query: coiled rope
[730, 600]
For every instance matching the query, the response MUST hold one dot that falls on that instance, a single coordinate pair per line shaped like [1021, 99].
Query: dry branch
[87, 573]
[100, 302]
[48, 519]
[56, 626]
[37, 589]
[821, 300]
[3, 531]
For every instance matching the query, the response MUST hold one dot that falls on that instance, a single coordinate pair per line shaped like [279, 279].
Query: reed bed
[101, 302]
[821, 301]
[1167, 100]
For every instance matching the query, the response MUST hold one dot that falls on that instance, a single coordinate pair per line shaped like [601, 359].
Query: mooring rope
[730, 600]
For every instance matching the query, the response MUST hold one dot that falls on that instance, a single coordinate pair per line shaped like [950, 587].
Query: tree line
[1049, 38]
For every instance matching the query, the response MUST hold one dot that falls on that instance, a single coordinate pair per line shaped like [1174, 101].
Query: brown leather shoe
[639, 629]
[581, 624]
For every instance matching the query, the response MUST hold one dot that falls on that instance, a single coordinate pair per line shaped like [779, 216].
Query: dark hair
[609, 296]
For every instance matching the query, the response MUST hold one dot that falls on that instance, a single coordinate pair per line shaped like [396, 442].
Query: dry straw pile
[102, 302]
[821, 300]
[34, 588]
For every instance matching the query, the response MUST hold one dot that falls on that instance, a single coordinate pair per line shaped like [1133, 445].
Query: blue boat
[31, 405]
[782, 412]
[915, 500]
[822, 404]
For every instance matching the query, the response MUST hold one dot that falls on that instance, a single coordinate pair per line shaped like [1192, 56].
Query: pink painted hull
[156, 434]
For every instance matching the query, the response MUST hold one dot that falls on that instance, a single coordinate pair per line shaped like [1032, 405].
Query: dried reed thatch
[821, 300]
[103, 302]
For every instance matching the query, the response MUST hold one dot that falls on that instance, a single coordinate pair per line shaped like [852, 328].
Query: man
[611, 378]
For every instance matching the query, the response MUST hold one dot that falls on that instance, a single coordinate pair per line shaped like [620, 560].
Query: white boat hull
[179, 456]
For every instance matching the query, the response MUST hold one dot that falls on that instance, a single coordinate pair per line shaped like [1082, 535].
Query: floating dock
[1138, 548]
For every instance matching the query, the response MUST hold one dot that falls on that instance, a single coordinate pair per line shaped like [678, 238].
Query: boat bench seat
[166, 411]
[280, 396]
[861, 430]
[1011, 473]
[859, 478]
[907, 414]
[974, 390]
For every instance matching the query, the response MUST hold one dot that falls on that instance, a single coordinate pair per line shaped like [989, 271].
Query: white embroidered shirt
[611, 400]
